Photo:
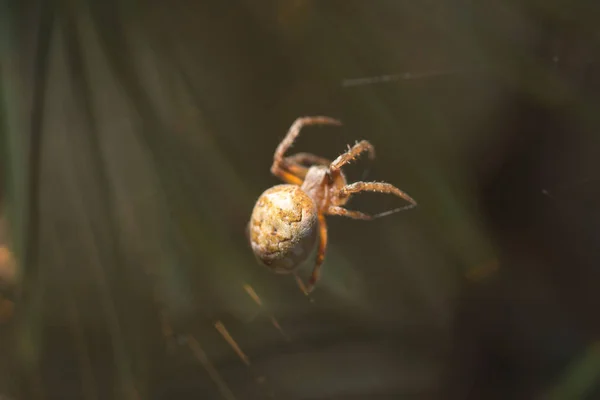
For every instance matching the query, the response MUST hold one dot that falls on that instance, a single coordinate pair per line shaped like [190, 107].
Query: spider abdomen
[283, 227]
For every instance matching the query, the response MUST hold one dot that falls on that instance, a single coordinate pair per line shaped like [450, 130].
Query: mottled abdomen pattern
[283, 227]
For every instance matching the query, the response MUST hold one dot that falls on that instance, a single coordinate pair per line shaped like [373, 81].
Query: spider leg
[351, 154]
[293, 173]
[341, 211]
[298, 164]
[316, 273]
[381, 187]
[337, 210]
[307, 159]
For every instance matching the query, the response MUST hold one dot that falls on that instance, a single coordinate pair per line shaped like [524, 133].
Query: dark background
[137, 135]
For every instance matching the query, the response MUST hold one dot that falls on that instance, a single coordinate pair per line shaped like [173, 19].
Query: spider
[288, 218]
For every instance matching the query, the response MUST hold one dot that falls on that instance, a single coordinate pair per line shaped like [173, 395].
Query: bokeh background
[137, 135]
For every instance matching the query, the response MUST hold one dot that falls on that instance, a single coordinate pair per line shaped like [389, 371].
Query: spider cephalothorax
[288, 219]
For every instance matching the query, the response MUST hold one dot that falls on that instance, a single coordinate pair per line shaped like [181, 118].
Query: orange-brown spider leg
[316, 273]
[294, 131]
[297, 165]
[307, 159]
[381, 187]
[293, 174]
[286, 171]
[337, 210]
[351, 154]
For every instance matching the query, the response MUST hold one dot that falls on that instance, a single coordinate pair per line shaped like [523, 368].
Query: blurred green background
[137, 135]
